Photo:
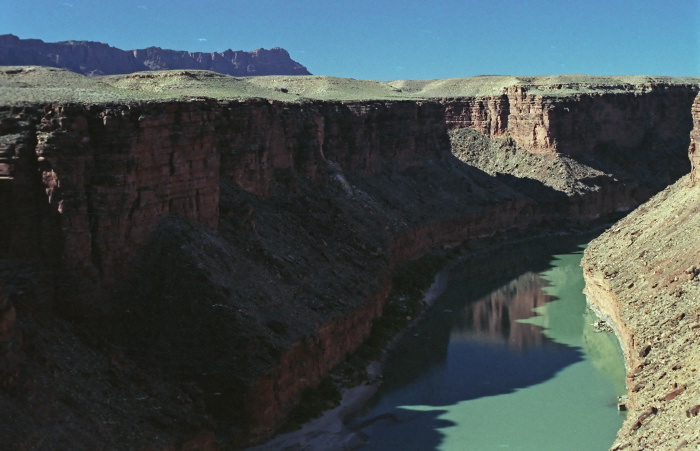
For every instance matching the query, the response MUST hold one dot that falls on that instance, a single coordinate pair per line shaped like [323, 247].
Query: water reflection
[480, 373]
[494, 317]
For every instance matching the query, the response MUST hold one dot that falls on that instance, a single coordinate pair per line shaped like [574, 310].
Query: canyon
[186, 253]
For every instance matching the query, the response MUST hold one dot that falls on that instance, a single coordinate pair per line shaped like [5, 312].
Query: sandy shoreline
[328, 431]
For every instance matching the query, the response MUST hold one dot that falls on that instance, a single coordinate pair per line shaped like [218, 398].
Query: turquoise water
[507, 359]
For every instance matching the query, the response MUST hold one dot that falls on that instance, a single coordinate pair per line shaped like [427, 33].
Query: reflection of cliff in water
[494, 317]
[501, 361]
[476, 278]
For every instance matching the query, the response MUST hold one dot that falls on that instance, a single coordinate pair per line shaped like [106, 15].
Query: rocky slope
[95, 58]
[643, 276]
[214, 246]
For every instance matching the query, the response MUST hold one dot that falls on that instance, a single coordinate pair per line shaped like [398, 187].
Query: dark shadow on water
[470, 346]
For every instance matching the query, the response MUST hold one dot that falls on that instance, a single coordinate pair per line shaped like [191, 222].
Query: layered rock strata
[133, 192]
[642, 276]
[694, 149]
[106, 176]
[268, 229]
[604, 130]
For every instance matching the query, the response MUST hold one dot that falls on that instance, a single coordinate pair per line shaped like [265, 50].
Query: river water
[506, 359]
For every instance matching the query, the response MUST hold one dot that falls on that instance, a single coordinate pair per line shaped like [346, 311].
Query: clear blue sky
[392, 39]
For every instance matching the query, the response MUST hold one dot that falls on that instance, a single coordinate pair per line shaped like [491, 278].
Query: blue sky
[392, 39]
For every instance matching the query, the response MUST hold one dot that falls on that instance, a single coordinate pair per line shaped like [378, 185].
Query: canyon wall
[694, 149]
[268, 230]
[608, 149]
[88, 187]
[108, 174]
[584, 124]
[489, 115]
[562, 119]
[264, 138]
[100, 180]
[642, 276]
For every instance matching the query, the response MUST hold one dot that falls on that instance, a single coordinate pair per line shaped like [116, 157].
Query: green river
[507, 358]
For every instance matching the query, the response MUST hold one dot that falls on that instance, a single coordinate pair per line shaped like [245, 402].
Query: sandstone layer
[213, 246]
[643, 276]
[95, 58]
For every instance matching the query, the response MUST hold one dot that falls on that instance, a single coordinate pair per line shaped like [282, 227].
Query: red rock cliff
[108, 175]
[631, 138]
[268, 230]
[89, 186]
[561, 118]
[260, 139]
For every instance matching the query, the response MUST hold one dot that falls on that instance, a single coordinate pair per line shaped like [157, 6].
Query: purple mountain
[95, 58]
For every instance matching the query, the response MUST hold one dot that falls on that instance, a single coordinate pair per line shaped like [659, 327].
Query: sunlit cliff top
[34, 84]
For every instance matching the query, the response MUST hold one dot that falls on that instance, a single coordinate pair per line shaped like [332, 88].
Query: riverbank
[336, 428]
[642, 276]
[330, 430]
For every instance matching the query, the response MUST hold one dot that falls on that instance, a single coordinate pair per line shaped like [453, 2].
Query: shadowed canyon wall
[108, 174]
[87, 187]
[265, 138]
[269, 230]
[106, 177]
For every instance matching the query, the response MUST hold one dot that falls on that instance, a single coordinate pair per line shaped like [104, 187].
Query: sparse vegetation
[34, 84]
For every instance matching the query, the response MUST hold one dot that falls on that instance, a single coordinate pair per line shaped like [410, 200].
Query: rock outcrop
[108, 175]
[238, 249]
[604, 129]
[694, 149]
[642, 276]
[95, 58]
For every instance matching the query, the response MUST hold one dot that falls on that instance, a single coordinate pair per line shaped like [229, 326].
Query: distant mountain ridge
[96, 58]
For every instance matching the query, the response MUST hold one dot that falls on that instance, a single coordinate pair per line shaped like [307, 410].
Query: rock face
[266, 138]
[588, 125]
[112, 193]
[238, 249]
[642, 275]
[694, 149]
[585, 124]
[96, 58]
[107, 176]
